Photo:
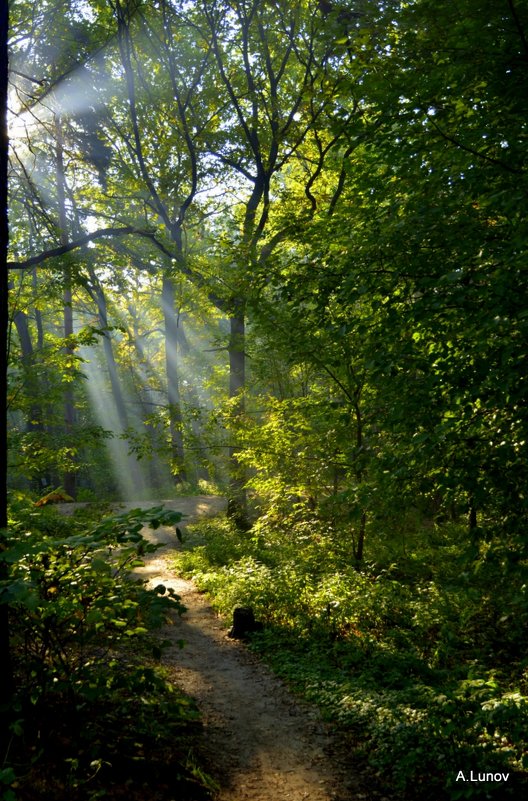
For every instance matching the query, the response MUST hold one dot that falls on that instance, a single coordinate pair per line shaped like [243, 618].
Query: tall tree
[170, 175]
[6, 678]
[279, 79]
[238, 90]
[170, 318]
[69, 478]
[452, 243]
[421, 262]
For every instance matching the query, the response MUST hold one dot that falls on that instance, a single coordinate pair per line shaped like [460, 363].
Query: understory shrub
[399, 655]
[90, 705]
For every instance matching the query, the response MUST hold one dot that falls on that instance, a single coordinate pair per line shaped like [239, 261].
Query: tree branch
[473, 152]
[76, 243]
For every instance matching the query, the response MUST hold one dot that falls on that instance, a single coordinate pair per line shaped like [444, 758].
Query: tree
[286, 163]
[169, 198]
[69, 405]
[447, 249]
[279, 82]
[422, 259]
[276, 82]
[6, 678]
[401, 289]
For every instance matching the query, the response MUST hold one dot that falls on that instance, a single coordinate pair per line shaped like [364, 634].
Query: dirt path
[260, 743]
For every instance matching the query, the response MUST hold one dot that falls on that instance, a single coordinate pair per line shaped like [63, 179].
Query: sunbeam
[126, 470]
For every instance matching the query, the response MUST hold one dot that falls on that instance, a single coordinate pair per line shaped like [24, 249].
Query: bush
[90, 705]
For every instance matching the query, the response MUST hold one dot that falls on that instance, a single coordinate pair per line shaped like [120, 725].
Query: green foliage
[88, 694]
[416, 660]
[371, 232]
[72, 598]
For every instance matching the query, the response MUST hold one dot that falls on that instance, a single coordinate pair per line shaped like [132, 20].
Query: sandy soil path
[260, 743]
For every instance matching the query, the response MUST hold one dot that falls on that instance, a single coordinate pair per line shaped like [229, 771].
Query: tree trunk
[356, 394]
[170, 318]
[69, 478]
[472, 517]
[157, 474]
[117, 394]
[37, 314]
[6, 674]
[35, 417]
[361, 538]
[236, 499]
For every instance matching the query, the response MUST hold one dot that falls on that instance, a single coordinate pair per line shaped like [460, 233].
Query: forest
[273, 251]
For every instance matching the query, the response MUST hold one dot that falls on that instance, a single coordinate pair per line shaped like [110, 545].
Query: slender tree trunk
[35, 418]
[117, 394]
[201, 460]
[237, 497]
[361, 537]
[359, 472]
[69, 478]
[237, 500]
[472, 516]
[157, 475]
[168, 300]
[6, 674]
[37, 315]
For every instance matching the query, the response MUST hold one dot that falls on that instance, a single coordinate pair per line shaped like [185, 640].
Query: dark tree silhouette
[5, 665]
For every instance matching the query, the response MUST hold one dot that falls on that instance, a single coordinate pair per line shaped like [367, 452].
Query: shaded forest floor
[402, 664]
[259, 742]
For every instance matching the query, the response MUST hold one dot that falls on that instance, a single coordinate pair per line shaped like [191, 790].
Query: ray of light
[127, 473]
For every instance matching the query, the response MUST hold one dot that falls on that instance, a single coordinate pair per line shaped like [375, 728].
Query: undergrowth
[418, 660]
[92, 714]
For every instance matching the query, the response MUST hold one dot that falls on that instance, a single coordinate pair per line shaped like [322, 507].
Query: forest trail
[260, 743]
